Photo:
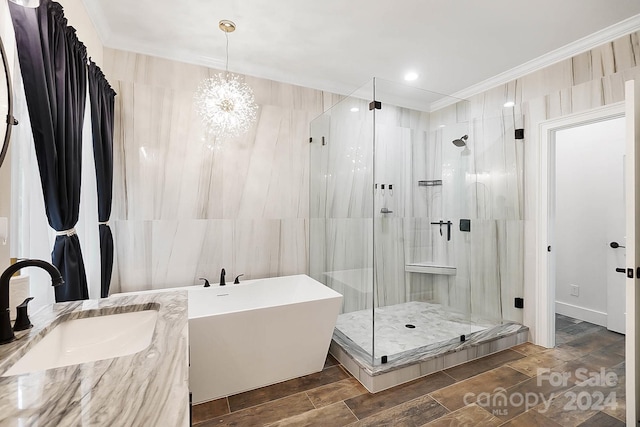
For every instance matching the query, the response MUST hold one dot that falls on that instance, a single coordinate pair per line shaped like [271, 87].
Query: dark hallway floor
[578, 383]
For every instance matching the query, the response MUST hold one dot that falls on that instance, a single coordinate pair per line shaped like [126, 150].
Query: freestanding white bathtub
[257, 333]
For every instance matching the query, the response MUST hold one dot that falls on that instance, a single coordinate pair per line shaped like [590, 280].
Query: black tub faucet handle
[206, 282]
[236, 281]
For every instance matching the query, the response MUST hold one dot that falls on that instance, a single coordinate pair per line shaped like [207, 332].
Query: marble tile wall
[185, 209]
[586, 81]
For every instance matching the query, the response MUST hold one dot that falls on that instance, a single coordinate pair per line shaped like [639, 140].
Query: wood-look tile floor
[526, 385]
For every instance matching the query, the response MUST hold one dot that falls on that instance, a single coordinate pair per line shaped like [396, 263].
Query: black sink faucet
[6, 333]
[222, 273]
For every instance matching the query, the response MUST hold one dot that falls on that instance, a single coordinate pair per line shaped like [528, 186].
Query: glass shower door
[318, 175]
[341, 224]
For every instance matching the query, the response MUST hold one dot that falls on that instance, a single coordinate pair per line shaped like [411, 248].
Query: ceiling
[457, 47]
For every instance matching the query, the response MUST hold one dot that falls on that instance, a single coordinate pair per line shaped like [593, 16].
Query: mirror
[6, 104]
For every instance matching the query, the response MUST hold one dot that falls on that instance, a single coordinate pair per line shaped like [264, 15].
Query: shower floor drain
[410, 326]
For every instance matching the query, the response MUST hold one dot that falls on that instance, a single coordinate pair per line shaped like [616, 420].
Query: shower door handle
[621, 270]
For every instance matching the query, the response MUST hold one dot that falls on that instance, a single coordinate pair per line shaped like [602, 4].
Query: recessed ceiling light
[411, 76]
[441, 126]
[354, 109]
[509, 104]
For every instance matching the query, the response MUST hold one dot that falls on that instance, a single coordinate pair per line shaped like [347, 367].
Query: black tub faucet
[222, 273]
[6, 333]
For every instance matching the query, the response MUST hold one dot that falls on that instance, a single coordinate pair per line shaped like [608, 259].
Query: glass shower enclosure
[415, 205]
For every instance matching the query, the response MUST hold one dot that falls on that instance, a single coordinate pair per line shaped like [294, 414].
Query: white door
[615, 230]
[632, 107]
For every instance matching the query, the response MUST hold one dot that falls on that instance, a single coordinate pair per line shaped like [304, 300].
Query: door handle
[628, 271]
[616, 245]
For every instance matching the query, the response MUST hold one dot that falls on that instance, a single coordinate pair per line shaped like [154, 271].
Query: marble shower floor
[433, 324]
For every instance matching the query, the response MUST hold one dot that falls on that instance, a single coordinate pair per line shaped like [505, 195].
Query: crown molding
[584, 44]
[127, 45]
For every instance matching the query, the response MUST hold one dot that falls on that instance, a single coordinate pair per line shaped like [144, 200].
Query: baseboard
[581, 313]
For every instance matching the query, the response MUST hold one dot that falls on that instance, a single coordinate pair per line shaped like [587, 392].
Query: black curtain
[101, 100]
[53, 66]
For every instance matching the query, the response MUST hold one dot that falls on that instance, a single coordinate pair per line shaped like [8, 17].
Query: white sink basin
[89, 339]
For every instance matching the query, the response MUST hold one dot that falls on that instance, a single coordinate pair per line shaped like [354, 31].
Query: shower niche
[416, 218]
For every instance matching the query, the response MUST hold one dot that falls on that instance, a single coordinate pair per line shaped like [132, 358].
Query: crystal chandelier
[224, 102]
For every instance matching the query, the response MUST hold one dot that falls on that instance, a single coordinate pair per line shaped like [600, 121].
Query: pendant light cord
[226, 69]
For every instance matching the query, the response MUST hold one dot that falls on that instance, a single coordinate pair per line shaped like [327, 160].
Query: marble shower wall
[184, 209]
[583, 82]
[481, 182]
[354, 245]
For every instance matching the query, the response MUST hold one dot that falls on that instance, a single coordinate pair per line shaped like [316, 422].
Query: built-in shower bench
[430, 268]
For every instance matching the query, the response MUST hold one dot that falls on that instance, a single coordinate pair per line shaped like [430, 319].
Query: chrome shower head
[461, 142]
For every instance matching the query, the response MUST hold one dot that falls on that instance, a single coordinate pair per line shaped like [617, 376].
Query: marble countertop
[148, 388]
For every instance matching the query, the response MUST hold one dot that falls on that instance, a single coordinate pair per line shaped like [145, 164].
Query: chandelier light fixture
[224, 102]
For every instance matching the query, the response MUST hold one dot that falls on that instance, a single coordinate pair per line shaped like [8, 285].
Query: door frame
[545, 289]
